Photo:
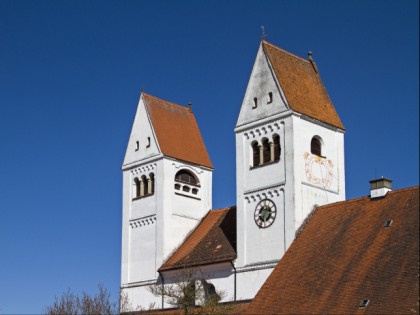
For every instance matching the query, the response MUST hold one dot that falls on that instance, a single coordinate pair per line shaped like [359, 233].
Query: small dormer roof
[213, 241]
[300, 81]
[176, 131]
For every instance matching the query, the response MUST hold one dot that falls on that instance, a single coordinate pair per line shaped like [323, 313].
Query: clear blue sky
[70, 77]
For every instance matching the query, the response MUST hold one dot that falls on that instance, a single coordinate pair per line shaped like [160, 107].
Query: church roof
[213, 241]
[177, 131]
[345, 255]
[302, 85]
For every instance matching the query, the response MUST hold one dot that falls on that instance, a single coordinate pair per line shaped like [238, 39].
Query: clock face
[265, 213]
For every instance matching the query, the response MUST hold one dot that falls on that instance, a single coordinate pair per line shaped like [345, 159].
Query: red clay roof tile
[302, 85]
[344, 255]
[213, 241]
[176, 131]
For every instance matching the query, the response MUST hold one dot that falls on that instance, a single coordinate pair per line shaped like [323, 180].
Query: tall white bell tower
[289, 159]
[167, 190]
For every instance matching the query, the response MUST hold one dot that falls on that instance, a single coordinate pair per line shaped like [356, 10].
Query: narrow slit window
[270, 98]
[255, 103]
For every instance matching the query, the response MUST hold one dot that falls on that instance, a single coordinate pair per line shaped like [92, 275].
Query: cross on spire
[263, 34]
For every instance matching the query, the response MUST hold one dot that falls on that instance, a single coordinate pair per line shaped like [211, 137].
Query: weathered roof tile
[302, 85]
[344, 255]
[177, 131]
[213, 241]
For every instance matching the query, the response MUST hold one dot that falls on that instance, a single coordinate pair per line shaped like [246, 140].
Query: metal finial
[310, 55]
[190, 106]
[263, 34]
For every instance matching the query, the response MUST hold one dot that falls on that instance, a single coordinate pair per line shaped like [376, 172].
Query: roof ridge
[401, 190]
[165, 101]
[224, 208]
[286, 52]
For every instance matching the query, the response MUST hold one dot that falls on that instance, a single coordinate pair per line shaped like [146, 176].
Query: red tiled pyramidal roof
[176, 131]
[213, 241]
[302, 85]
[345, 255]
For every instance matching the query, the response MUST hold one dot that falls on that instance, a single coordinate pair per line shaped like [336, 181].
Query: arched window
[316, 146]
[152, 183]
[270, 98]
[137, 188]
[255, 103]
[255, 153]
[145, 186]
[276, 147]
[266, 150]
[187, 184]
[186, 177]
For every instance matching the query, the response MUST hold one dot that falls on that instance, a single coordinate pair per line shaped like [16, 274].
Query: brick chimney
[379, 187]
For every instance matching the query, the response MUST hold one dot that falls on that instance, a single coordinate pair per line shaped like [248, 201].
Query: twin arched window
[144, 186]
[267, 152]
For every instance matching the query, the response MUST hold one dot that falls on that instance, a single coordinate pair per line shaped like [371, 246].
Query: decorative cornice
[137, 164]
[139, 222]
[262, 130]
[318, 122]
[264, 192]
[192, 168]
[143, 169]
[277, 118]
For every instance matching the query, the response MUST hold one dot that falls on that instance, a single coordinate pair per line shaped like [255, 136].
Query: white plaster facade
[156, 224]
[297, 182]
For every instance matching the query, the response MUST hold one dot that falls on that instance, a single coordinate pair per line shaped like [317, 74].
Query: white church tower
[289, 160]
[167, 189]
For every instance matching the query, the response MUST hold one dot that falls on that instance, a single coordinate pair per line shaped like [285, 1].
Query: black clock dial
[265, 213]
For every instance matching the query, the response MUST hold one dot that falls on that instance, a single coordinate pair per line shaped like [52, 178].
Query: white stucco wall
[248, 283]
[318, 180]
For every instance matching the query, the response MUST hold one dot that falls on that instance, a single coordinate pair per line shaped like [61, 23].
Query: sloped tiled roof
[302, 85]
[213, 241]
[344, 255]
[176, 131]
